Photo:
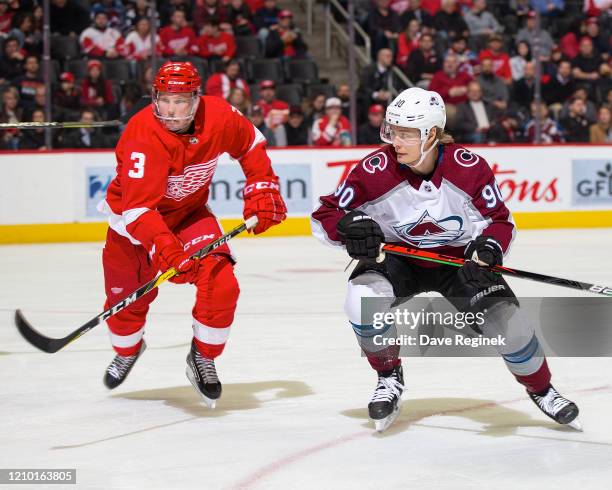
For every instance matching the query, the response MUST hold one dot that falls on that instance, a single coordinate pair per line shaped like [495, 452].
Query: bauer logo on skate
[427, 232]
[194, 178]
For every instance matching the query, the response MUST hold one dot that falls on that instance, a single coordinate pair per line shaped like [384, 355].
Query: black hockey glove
[484, 250]
[361, 234]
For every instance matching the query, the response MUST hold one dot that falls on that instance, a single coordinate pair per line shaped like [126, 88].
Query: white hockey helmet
[414, 108]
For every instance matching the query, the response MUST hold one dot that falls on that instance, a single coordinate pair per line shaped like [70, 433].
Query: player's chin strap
[424, 153]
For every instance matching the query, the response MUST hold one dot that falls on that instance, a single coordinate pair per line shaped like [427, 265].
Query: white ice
[293, 411]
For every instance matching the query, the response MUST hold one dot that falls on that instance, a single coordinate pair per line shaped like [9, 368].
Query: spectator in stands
[168, 8]
[96, 91]
[475, 116]
[561, 86]
[383, 26]
[494, 90]
[67, 96]
[449, 83]
[601, 131]
[422, 16]
[548, 8]
[275, 111]
[316, 109]
[333, 129]
[343, 92]
[519, 60]
[137, 44]
[575, 125]
[523, 90]
[130, 98]
[501, 60]
[257, 118]
[23, 30]
[582, 93]
[100, 40]
[481, 23]
[136, 10]
[6, 16]
[10, 113]
[177, 39]
[528, 33]
[67, 17]
[114, 10]
[146, 78]
[601, 42]
[549, 129]
[34, 139]
[40, 100]
[206, 10]
[449, 22]
[368, 133]
[11, 63]
[239, 99]
[284, 40]
[296, 128]
[407, 42]
[26, 84]
[376, 82]
[467, 59]
[586, 64]
[241, 18]
[220, 84]
[423, 62]
[215, 44]
[604, 85]
[265, 17]
[85, 137]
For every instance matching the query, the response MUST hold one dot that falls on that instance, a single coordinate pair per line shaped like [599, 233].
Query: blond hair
[444, 137]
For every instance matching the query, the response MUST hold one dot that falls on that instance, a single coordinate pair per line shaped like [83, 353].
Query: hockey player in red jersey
[158, 216]
[424, 190]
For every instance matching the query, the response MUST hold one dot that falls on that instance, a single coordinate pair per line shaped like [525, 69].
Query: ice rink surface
[293, 412]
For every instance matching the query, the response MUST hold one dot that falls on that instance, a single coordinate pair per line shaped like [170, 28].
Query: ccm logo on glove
[248, 189]
[263, 199]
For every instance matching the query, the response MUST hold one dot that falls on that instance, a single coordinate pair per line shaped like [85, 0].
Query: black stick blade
[34, 337]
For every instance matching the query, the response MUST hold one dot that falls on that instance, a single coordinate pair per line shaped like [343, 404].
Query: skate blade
[209, 402]
[575, 424]
[383, 424]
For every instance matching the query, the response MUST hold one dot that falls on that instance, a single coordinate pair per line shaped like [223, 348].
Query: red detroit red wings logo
[194, 178]
[378, 161]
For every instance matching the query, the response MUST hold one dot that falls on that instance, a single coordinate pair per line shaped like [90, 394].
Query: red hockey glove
[263, 199]
[170, 253]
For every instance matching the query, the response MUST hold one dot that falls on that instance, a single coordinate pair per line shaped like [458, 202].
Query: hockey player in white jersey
[424, 190]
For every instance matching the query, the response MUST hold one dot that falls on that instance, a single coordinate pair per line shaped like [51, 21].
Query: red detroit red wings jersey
[460, 201]
[170, 173]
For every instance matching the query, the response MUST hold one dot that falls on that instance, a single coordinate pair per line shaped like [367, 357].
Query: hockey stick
[60, 125]
[50, 345]
[458, 262]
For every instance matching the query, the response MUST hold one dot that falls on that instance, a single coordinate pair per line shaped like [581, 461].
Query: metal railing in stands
[362, 52]
[307, 6]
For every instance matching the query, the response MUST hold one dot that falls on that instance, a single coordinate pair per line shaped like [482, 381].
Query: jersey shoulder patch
[463, 157]
[375, 162]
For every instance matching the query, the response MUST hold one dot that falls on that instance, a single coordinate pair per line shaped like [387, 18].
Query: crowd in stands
[478, 54]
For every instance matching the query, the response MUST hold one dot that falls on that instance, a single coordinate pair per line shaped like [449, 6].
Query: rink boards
[51, 196]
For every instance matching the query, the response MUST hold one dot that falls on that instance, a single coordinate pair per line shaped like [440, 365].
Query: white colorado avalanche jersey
[458, 202]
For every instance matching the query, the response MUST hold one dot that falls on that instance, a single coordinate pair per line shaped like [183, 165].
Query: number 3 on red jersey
[139, 162]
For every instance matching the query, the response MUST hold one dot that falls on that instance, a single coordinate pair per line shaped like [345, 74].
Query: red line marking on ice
[281, 463]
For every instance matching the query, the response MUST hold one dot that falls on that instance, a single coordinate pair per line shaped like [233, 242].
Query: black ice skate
[203, 376]
[120, 367]
[387, 399]
[557, 407]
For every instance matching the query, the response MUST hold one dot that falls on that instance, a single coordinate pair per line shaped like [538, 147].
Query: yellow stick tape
[293, 226]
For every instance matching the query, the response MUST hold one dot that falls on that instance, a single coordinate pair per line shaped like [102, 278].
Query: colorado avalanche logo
[428, 232]
[466, 158]
[375, 162]
[434, 101]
